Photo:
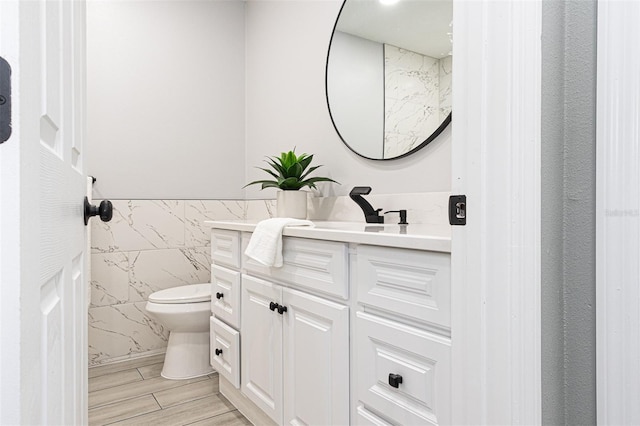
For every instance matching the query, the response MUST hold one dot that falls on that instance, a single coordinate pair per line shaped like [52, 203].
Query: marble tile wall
[424, 207]
[149, 245]
[417, 94]
[446, 76]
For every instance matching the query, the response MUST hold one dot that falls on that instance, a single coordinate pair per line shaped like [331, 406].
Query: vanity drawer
[421, 359]
[225, 247]
[227, 340]
[225, 283]
[411, 283]
[317, 265]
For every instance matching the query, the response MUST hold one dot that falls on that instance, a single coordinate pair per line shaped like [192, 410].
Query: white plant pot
[292, 204]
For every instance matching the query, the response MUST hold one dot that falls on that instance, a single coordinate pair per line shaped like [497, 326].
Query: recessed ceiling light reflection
[388, 2]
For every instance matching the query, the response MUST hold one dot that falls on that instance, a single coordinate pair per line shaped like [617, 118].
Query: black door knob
[395, 380]
[219, 295]
[105, 210]
[218, 352]
[273, 306]
[282, 309]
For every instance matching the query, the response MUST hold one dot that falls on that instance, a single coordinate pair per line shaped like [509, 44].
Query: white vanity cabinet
[346, 332]
[295, 354]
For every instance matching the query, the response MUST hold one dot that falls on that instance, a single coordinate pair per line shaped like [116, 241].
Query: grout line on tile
[212, 417]
[148, 392]
[156, 399]
[197, 398]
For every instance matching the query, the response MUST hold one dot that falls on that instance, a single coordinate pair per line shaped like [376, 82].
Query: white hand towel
[265, 245]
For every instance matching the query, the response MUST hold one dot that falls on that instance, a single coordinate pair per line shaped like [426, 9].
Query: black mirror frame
[434, 135]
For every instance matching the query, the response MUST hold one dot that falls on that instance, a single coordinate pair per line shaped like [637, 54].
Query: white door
[495, 258]
[43, 238]
[261, 346]
[316, 360]
[618, 215]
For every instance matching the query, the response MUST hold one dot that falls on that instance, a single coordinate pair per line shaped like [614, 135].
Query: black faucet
[371, 215]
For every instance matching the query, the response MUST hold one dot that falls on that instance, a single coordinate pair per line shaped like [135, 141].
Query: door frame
[617, 214]
[496, 257]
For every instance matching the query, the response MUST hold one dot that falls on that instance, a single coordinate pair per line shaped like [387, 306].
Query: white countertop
[412, 236]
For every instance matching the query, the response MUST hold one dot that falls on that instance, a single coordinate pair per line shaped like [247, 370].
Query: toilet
[185, 312]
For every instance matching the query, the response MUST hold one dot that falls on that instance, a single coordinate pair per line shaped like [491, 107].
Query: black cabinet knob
[282, 309]
[105, 210]
[395, 380]
[273, 306]
[219, 295]
[218, 352]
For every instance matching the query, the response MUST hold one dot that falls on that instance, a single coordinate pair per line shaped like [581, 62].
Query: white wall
[286, 50]
[355, 88]
[166, 99]
[168, 82]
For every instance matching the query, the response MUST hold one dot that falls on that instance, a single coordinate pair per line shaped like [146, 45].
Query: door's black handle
[282, 309]
[218, 352]
[105, 210]
[219, 295]
[273, 306]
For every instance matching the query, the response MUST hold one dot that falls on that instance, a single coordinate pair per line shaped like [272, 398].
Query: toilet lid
[183, 294]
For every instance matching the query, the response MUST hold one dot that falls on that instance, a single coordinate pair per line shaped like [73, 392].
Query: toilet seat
[183, 294]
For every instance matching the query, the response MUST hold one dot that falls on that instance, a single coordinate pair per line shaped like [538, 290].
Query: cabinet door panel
[316, 360]
[261, 349]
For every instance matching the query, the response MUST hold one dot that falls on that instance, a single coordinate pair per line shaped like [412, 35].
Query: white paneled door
[43, 255]
[315, 338]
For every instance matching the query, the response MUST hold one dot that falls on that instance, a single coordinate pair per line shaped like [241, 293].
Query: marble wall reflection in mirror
[388, 76]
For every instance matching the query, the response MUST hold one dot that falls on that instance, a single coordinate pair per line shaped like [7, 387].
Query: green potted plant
[291, 174]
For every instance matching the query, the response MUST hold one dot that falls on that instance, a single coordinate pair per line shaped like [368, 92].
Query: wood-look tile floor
[134, 393]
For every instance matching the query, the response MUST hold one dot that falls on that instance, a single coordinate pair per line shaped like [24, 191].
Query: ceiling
[422, 26]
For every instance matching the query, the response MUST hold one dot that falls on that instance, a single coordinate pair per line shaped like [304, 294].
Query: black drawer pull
[395, 380]
[219, 295]
[218, 352]
[273, 306]
[282, 309]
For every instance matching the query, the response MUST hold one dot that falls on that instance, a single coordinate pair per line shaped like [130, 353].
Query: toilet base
[187, 355]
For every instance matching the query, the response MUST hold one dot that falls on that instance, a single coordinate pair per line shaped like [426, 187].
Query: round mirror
[388, 75]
